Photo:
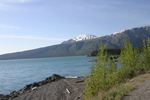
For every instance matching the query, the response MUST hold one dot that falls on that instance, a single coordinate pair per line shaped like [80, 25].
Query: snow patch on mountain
[81, 38]
[84, 37]
[119, 32]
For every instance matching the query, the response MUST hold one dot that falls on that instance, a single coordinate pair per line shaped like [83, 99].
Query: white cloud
[31, 37]
[10, 27]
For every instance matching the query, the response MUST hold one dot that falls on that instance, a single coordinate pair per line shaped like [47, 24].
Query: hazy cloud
[30, 37]
[14, 1]
[12, 4]
[10, 27]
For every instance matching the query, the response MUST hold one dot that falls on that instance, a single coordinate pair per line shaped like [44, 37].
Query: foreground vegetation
[105, 74]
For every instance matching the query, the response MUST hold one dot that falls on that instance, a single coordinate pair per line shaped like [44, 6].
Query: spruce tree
[146, 54]
[102, 75]
[129, 58]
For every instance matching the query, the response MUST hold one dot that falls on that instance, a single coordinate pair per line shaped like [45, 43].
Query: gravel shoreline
[142, 89]
[54, 87]
[58, 87]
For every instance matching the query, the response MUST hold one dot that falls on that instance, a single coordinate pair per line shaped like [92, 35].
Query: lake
[15, 74]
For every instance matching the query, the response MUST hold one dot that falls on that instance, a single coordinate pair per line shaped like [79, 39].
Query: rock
[1, 96]
[50, 79]
[4, 97]
[34, 85]
[41, 83]
[14, 93]
[47, 80]
[34, 88]
[56, 77]
[25, 89]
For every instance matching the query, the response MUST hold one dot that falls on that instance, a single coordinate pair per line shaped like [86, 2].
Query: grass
[142, 78]
[118, 91]
[115, 93]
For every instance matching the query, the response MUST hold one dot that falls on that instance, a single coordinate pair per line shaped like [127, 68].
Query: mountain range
[83, 46]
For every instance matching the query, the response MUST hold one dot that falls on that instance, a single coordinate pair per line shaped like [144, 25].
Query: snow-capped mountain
[80, 38]
[115, 40]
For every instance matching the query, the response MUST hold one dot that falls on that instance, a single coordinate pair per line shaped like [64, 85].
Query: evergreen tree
[146, 54]
[102, 74]
[129, 60]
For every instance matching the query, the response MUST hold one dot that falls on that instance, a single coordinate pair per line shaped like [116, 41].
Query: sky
[31, 24]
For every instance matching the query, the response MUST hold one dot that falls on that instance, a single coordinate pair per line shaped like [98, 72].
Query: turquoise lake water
[15, 74]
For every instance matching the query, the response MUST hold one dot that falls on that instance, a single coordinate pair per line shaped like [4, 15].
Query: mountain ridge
[79, 48]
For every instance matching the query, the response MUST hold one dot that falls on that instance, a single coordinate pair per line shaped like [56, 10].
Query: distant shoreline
[43, 58]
